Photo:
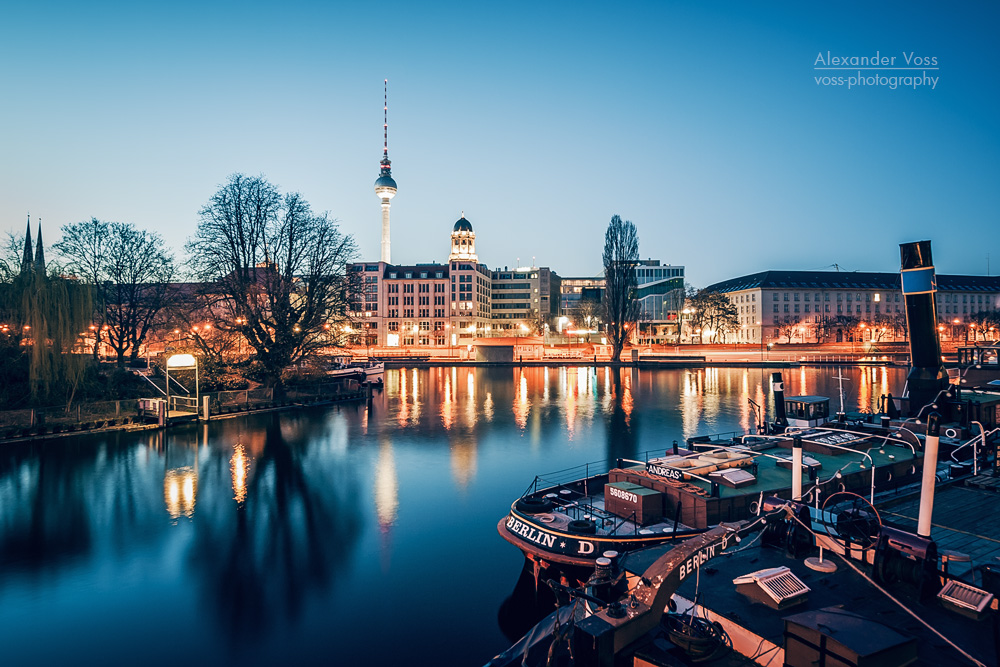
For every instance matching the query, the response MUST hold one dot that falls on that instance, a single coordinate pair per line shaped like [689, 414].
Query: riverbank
[132, 424]
[649, 364]
[656, 356]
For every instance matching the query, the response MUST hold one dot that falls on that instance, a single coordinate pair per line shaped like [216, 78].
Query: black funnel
[778, 387]
[927, 375]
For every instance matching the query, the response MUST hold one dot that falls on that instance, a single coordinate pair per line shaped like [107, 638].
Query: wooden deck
[964, 521]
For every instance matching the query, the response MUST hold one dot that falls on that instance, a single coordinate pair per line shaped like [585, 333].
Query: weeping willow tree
[52, 313]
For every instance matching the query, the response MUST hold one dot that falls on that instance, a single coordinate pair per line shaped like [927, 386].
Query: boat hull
[542, 543]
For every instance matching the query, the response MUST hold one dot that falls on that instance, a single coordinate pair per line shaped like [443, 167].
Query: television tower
[385, 187]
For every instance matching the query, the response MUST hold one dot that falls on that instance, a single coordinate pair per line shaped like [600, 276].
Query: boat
[569, 519]
[847, 566]
[362, 371]
[836, 580]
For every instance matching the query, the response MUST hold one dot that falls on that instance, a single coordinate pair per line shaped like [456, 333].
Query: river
[349, 534]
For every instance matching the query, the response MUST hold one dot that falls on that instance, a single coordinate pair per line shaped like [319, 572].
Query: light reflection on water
[284, 537]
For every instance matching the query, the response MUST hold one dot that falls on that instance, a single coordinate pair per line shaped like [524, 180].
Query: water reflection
[239, 467]
[257, 536]
[386, 487]
[260, 559]
[180, 489]
[622, 431]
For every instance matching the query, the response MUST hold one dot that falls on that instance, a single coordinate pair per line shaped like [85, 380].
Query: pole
[928, 478]
[797, 468]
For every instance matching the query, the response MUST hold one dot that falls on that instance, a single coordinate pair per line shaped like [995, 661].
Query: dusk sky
[703, 123]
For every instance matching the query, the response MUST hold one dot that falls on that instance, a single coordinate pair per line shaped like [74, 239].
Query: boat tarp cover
[533, 649]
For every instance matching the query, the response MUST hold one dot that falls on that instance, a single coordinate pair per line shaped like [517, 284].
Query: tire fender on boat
[533, 505]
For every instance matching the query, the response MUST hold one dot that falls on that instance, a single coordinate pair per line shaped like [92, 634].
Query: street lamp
[182, 362]
[761, 341]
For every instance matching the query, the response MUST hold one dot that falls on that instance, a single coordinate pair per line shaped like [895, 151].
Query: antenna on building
[385, 121]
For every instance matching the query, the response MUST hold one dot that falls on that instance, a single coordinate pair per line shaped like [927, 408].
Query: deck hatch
[964, 599]
[781, 587]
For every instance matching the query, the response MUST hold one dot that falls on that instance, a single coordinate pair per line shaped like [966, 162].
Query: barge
[570, 518]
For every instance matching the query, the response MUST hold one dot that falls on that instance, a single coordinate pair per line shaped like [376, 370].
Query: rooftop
[848, 280]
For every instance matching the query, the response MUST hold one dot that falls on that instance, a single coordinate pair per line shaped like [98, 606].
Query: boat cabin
[807, 410]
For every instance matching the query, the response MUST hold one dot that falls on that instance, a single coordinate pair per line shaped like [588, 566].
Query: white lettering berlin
[529, 533]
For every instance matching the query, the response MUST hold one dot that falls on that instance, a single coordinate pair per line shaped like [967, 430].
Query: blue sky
[700, 122]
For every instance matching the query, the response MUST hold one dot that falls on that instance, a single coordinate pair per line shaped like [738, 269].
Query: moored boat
[570, 518]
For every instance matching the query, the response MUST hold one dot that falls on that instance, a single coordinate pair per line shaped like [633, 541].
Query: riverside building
[831, 306]
[451, 304]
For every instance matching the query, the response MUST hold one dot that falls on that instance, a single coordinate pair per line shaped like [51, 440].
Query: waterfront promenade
[658, 355]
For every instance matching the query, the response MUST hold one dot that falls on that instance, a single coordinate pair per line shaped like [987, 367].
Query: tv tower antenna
[385, 186]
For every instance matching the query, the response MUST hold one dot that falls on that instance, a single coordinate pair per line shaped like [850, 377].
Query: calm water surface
[353, 534]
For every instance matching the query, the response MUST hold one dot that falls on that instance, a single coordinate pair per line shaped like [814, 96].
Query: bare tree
[11, 249]
[84, 248]
[589, 313]
[621, 254]
[981, 322]
[881, 324]
[787, 330]
[713, 313]
[139, 272]
[279, 271]
[129, 270]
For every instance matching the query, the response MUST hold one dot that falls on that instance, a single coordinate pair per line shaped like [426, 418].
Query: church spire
[27, 259]
[40, 252]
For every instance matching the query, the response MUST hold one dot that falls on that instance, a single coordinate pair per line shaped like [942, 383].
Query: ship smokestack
[778, 387]
[927, 376]
[929, 478]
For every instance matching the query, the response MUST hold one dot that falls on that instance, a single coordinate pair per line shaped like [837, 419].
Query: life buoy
[951, 432]
[533, 505]
[585, 526]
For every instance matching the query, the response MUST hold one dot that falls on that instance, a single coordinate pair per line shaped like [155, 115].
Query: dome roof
[385, 182]
[463, 225]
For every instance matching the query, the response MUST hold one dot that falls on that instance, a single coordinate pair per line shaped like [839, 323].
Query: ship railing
[567, 478]
[631, 518]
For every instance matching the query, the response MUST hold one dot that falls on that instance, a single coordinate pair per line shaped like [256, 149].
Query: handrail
[143, 376]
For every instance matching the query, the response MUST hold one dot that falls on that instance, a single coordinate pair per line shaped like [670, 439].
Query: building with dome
[449, 305]
[442, 305]
[463, 242]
